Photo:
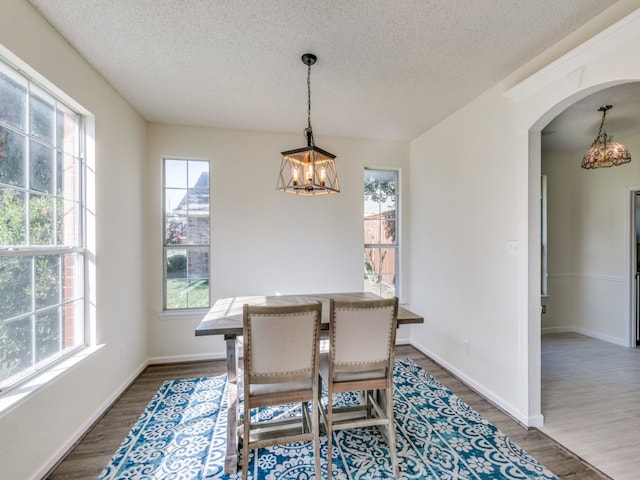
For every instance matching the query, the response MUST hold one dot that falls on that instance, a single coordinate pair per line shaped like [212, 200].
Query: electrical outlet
[466, 346]
[543, 309]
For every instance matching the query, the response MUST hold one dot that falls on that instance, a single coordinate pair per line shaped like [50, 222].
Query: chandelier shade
[604, 152]
[309, 170]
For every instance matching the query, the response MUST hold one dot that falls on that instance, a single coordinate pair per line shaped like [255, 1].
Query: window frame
[396, 244]
[166, 311]
[71, 310]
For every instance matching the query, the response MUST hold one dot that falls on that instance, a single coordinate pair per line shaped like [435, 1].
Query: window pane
[387, 286]
[13, 107]
[41, 220]
[15, 347]
[41, 163]
[13, 228]
[197, 231]
[198, 174]
[198, 201]
[72, 277]
[67, 222]
[15, 286]
[175, 230]
[176, 264]
[198, 263]
[187, 277]
[175, 211]
[47, 281]
[380, 260]
[72, 324]
[68, 177]
[175, 174]
[380, 284]
[380, 190]
[67, 131]
[42, 117]
[48, 334]
[12, 157]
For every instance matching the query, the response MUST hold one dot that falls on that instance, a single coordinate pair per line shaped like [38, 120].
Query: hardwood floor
[591, 401]
[89, 457]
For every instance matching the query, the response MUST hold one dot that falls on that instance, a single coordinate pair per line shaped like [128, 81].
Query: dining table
[225, 318]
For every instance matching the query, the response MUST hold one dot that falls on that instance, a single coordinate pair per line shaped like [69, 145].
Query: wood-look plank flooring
[94, 451]
[591, 401]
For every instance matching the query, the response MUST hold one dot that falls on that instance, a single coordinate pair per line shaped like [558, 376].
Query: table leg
[231, 457]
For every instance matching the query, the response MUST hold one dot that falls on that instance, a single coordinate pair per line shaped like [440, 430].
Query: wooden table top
[225, 317]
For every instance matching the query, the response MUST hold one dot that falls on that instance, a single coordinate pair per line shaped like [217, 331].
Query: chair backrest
[363, 334]
[281, 342]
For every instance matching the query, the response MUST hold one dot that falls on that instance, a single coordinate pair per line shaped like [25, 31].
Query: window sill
[14, 396]
[196, 314]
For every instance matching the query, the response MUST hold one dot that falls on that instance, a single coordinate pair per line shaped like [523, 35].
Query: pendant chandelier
[309, 170]
[604, 152]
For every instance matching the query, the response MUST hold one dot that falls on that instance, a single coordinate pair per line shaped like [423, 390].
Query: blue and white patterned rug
[182, 436]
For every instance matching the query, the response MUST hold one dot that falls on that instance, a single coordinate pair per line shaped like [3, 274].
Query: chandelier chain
[308, 131]
[604, 114]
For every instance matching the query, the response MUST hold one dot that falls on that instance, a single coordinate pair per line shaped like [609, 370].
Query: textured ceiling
[386, 69]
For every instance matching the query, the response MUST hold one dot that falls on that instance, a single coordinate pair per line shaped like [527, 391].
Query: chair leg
[391, 433]
[245, 443]
[329, 434]
[316, 437]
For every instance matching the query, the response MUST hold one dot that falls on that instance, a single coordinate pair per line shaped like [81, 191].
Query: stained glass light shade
[308, 171]
[604, 152]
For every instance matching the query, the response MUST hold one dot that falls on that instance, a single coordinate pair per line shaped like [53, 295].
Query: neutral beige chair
[281, 366]
[360, 359]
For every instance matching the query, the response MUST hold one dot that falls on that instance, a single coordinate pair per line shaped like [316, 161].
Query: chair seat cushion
[348, 376]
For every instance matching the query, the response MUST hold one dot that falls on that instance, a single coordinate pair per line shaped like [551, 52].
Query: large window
[186, 234]
[381, 232]
[41, 239]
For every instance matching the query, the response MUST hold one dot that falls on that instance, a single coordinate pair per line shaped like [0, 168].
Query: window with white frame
[186, 234]
[42, 254]
[381, 196]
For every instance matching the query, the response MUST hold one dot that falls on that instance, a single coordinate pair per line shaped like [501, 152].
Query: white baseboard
[199, 357]
[527, 421]
[589, 333]
[552, 330]
[66, 447]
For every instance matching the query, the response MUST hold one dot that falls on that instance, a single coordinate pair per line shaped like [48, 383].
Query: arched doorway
[606, 60]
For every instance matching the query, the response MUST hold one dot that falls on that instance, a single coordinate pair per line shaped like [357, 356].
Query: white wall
[265, 242]
[37, 431]
[475, 183]
[588, 227]
[465, 211]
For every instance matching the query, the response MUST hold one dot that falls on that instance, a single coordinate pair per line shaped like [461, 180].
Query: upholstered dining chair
[360, 359]
[280, 367]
